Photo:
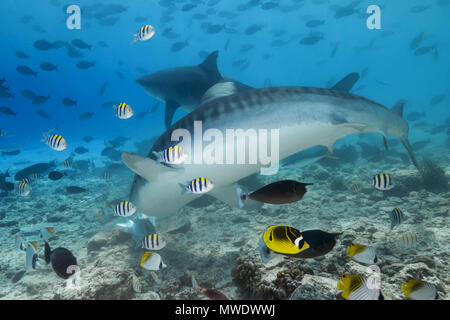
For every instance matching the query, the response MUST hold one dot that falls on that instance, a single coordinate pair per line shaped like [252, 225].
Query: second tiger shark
[304, 117]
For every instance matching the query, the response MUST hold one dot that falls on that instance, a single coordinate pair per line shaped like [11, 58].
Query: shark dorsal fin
[347, 83]
[209, 65]
[398, 107]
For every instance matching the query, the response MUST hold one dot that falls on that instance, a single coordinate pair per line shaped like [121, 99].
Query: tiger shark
[304, 117]
[183, 87]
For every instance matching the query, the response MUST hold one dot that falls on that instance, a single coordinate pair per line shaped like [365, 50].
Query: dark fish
[47, 66]
[120, 75]
[416, 41]
[26, 71]
[280, 192]
[56, 175]
[81, 150]
[437, 99]
[117, 142]
[10, 151]
[63, 261]
[278, 43]
[438, 129]
[6, 186]
[103, 44]
[252, 29]
[88, 139]
[43, 114]
[75, 190]
[58, 44]
[269, 5]
[140, 19]
[228, 14]
[177, 46]
[424, 50]
[80, 44]
[21, 55]
[215, 28]
[199, 16]
[73, 52]
[5, 175]
[419, 8]
[108, 21]
[102, 89]
[203, 54]
[112, 154]
[314, 23]
[414, 116]
[246, 47]
[188, 7]
[38, 168]
[68, 102]
[43, 45]
[212, 3]
[142, 115]
[38, 29]
[25, 19]
[85, 64]
[312, 39]
[86, 116]
[7, 111]
[40, 100]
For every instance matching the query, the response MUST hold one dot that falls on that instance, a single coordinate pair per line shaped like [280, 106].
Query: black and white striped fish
[124, 209]
[356, 187]
[197, 186]
[382, 181]
[408, 240]
[67, 163]
[23, 189]
[145, 33]
[153, 242]
[123, 111]
[55, 141]
[173, 156]
[397, 216]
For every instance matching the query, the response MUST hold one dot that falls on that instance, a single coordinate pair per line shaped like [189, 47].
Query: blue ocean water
[391, 67]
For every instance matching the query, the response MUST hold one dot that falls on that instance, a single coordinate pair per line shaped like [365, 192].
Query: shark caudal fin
[347, 83]
[209, 65]
[398, 110]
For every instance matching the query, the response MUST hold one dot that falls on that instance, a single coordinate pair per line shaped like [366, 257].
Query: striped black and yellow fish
[362, 254]
[357, 287]
[67, 163]
[173, 156]
[153, 242]
[124, 209]
[55, 141]
[382, 181]
[197, 186]
[356, 187]
[397, 216]
[289, 241]
[23, 189]
[419, 290]
[123, 111]
[145, 33]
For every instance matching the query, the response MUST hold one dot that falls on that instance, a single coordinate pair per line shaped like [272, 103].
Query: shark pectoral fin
[347, 83]
[171, 107]
[145, 167]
